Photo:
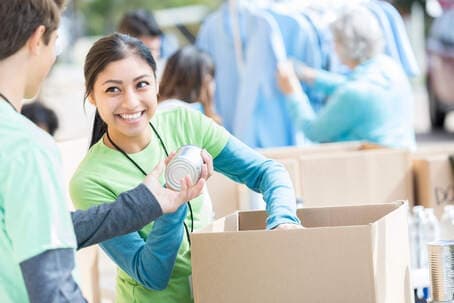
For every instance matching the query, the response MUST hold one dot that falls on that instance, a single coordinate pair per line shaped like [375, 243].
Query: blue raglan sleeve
[150, 262]
[244, 165]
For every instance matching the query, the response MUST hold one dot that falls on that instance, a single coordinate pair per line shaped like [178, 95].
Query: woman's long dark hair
[106, 50]
[184, 78]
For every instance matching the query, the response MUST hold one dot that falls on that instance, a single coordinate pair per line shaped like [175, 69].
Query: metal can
[187, 161]
[441, 261]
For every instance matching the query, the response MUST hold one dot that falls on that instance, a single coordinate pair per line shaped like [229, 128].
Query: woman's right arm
[150, 262]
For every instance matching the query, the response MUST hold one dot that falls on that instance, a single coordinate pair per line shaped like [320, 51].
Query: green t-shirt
[105, 173]
[34, 215]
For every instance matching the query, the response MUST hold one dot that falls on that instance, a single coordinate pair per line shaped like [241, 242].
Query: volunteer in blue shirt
[373, 102]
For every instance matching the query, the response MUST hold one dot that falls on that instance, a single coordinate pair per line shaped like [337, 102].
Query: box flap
[228, 223]
[346, 215]
[334, 216]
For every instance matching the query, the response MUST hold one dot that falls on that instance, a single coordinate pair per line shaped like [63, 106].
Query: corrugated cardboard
[225, 195]
[434, 180]
[359, 177]
[354, 254]
[329, 174]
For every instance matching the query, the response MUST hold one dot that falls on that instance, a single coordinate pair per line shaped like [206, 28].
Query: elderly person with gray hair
[373, 102]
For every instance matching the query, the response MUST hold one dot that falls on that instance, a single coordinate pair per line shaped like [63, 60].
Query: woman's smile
[131, 117]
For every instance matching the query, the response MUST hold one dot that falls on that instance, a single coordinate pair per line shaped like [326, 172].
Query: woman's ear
[91, 99]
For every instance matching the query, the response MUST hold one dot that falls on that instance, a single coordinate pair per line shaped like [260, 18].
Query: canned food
[441, 261]
[187, 161]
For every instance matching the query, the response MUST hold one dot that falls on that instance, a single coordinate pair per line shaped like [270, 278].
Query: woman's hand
[288, 226]
[171, 200]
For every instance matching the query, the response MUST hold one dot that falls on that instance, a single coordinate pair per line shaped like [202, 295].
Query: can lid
[177, 169]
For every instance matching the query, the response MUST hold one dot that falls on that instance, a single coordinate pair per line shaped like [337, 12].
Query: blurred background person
[188, 80]
[42, 116]
[142, 24]
[373, 102]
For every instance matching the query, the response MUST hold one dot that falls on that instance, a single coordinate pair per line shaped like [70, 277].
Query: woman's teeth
[131, 116]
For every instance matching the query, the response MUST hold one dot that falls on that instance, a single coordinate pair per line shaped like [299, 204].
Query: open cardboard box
[345, 254]
[328, 174]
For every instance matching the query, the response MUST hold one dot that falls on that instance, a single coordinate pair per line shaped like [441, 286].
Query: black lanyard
[7, 101]
[144, 173]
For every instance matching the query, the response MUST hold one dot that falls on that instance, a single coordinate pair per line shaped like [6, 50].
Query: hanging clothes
[248, 98]
[247, 42]
[397, 45]
[216, 38]
[407, 57]
[301, 43]
[259, 99]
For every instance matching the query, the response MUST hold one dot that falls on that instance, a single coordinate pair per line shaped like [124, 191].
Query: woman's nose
[131, 99]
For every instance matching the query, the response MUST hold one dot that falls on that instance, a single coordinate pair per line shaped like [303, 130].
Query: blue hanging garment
[397, 45]
[247, 98]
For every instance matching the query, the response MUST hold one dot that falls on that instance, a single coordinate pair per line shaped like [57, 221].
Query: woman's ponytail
[99, 129]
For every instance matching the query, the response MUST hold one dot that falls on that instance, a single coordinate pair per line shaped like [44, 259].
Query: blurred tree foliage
[101, 16]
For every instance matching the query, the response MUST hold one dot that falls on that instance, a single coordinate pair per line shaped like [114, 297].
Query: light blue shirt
[374, 103]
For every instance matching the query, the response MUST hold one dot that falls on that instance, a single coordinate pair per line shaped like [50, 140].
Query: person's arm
[340, 115]
[244, 165]
[133, 209]
[48, 277]
[327, 82]
[150, 262]
[130, 212]
[320, 80]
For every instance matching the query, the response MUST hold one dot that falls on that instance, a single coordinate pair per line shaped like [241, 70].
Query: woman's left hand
[288, 226]
[207, 162]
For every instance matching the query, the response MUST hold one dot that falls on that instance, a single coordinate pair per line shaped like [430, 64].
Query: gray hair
[358, 34]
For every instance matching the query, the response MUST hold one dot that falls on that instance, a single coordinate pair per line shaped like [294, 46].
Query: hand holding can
[187, 161]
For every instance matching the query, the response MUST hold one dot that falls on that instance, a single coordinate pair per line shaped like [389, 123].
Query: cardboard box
[328, 174]
[359, 177]
[225, 195]
[354, 254]
[434, 180]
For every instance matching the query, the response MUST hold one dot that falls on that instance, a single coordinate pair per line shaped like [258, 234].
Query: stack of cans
[187, 161]
[441, 260]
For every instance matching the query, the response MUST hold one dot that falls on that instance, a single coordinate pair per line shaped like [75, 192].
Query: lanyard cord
[7, 101]
[144, 173]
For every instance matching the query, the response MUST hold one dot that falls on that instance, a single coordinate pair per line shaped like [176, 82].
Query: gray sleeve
[130, 212]
[48, 277]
